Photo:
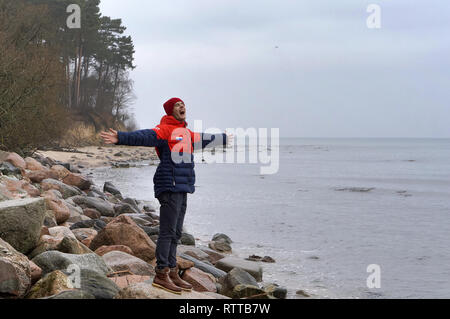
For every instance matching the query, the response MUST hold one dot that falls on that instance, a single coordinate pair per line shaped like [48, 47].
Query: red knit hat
[168, 106]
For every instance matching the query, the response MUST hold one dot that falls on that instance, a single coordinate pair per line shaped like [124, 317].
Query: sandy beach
[101, 156]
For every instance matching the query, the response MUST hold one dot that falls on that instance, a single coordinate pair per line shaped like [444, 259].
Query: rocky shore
[63, 237]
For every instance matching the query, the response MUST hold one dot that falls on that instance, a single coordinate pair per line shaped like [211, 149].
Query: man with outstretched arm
[173, 180]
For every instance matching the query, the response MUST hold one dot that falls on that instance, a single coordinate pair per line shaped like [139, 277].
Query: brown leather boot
[173, 274]
[163, 281]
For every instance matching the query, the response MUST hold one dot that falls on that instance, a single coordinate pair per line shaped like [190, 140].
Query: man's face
[179, 111]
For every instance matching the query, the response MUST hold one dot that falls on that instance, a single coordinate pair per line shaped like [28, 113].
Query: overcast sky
[311, 68]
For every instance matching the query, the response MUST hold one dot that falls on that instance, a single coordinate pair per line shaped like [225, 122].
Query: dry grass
[80, 135]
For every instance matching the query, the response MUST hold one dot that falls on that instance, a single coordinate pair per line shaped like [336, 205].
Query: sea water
[335, 207]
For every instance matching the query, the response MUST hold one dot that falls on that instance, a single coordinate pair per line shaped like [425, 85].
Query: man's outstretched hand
[110, 137]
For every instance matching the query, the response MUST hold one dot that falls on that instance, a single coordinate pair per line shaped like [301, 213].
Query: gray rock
[141, 216]
[119, 261]
[204, 266]
[104, 207]
[9, 169]
[132, 202]
[222, 236]
[235, 277]
[96, 192]
[55, 260]
[66, 190]
[230, 262]
[15, 273]
[98, 284]
[68, 245]
[220, 245]
[187, 239]
[21, 221]
[49, 219]
[96, 224]
[193, 252]
[110, 188]
[148, 208]
[72, 246]
[76, 213]
[276, 291]
[124, 208]
[214, 255]
[150, 231]
[248, 291]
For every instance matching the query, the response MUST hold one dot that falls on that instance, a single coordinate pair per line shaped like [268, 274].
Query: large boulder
[19, 188]
[214, 256]
[220, 245]
[55, 202]
[77, 180]
[16, 160]
[6, 168]
[66, 190]
[55, 260]
[124, 231]
[91, 213]
[128, 280]
[73, 246]
[21, 222]
[235, 277]
[230, 262]
[110, 188]
[97, 284]
[62, 240]
[200, 280]
[204, 266]
[51, 284]
[85, 233]
[249, 292]
[40, 175]
[193, 252]
[15, 272]
[120, 261]
[60, 171]
[145, 290]
[187, 239]
[33, 165]
[184, 263]
[220, 236]
[275, 291]
[104, 207]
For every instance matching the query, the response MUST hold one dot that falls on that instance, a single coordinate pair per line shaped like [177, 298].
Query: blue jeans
[171, 218]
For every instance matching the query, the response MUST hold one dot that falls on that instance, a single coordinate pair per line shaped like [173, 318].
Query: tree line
[53, 78]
